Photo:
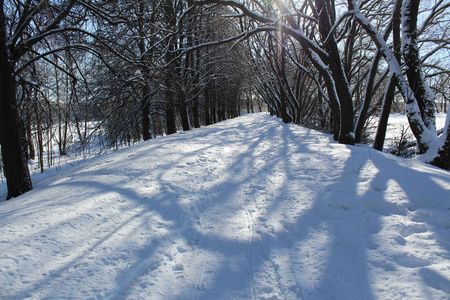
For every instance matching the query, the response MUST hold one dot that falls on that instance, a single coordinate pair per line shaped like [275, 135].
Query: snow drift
[249, 208]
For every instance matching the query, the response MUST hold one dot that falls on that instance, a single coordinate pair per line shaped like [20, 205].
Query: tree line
[335, 64]
[108, 73]
[81, 73]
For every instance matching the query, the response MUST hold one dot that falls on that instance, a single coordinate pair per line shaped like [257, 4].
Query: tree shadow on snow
[273, 222]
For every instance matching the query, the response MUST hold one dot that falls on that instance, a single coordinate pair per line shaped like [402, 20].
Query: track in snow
[249, 208]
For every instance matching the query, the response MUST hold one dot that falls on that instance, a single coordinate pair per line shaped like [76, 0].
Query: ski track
[249, 208]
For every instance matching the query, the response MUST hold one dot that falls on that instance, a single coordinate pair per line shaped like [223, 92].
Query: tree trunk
[326, 17]
[219, 113]
[195, 111]
[283, 84]
[390, 92]
[443, 158]
[15, 165]
[207, 107]
[171, 124]
[171, 78]
[146, 135]
[425, 136]
[146, 57]
[363, 113]
[183, 112]
[414, 70]
[384, 116]
[31, 154]
[213, 108]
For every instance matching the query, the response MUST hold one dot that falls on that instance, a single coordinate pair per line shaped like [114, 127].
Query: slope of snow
[249, 208]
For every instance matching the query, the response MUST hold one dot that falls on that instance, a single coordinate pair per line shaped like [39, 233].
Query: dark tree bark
[390, 92]
[12, 51]
[145, 101]
[443, 158]
[196, 113]
[183, 112]
[171, 124]
[146, 124]
[207, 107]
[283, 83]
[15, 166]
[171, 76]
[326, 18]
[384, 116]
[213, 108]
[31, 153]
[414, 70]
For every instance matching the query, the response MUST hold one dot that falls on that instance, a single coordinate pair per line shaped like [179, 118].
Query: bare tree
[23, 26]
[419, 99]
[331, 49]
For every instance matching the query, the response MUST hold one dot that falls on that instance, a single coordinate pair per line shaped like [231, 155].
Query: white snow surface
[249, 208]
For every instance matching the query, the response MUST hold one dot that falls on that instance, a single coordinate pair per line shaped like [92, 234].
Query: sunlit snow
[249, 208]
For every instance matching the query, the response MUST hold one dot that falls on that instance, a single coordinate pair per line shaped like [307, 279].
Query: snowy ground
[398, 125]
[250, 208]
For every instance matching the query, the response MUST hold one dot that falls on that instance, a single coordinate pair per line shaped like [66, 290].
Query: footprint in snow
[411, 261]
[408, 230]
[435, 280]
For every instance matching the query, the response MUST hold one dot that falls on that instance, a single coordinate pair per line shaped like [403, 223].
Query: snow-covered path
[249, 208]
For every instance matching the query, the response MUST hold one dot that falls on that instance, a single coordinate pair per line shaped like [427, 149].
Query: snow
[249, 208]
[424, 135]
[397, 124]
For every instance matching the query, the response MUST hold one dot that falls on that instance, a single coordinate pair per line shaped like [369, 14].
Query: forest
[81, 76]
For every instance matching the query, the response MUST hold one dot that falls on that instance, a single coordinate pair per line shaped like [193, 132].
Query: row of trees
[109, 73]
[343, 61]
[116, 72]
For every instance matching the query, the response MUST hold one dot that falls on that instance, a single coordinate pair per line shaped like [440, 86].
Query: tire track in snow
[250, 247]
[264, 190]
[199, 284]
[257, 194]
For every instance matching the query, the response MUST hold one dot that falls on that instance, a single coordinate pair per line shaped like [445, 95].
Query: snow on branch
[424, 135]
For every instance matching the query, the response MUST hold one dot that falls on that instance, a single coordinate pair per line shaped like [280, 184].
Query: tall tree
[324, 55]
[418, 97]
[327, 47]
[23, 26]
[13, 155]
